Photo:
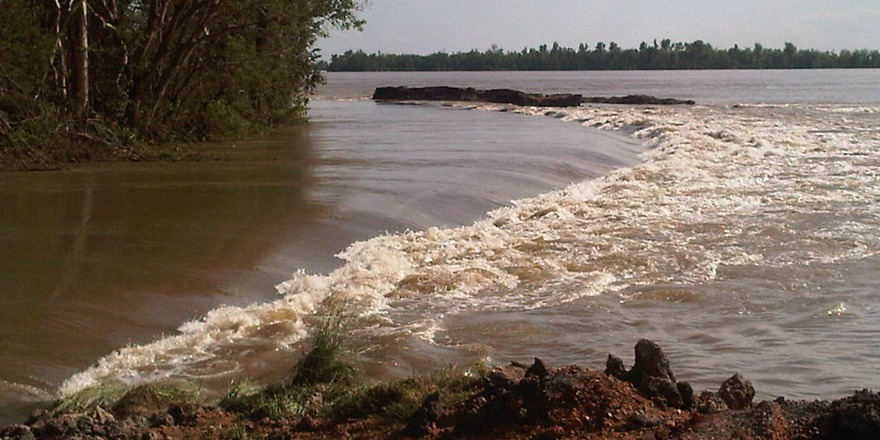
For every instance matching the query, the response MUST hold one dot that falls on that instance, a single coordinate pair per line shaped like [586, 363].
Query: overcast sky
[427, 26]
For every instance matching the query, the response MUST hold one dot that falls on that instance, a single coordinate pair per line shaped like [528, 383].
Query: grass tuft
[102, 395]
[117, 396]
[322, 371]
[325, 363]
[397, 401]
[261, 402]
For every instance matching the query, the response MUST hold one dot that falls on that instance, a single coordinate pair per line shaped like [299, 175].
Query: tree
[164, 69]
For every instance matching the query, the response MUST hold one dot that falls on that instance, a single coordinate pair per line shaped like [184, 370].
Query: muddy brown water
[101, 256]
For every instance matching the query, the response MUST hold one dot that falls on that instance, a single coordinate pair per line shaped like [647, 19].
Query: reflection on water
[106, 255]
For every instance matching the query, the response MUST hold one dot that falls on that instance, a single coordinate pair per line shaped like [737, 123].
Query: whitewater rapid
[722, 189]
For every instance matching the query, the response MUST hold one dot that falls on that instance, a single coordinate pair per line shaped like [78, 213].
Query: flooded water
[741, 234]
[103, 256]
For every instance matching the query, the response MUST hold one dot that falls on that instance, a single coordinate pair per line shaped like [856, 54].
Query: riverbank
[322, 399]
[58, 149]
[62, 152]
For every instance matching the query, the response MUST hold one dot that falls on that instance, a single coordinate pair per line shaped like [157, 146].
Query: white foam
[721, 186]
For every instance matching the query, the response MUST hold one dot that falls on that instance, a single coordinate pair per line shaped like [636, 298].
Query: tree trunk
[80, 61]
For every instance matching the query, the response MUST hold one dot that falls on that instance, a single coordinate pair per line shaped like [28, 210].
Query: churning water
[744, 238]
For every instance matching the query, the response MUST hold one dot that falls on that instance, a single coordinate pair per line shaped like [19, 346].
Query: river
[739, 233]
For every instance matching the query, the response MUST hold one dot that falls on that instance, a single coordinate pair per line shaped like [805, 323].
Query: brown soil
[511, 402]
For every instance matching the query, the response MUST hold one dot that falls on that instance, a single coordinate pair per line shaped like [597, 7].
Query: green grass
[325, 362]
[104, 396]
[324, 383]
[108, 396]
[397, 401]
[257, 402]
[321, 371]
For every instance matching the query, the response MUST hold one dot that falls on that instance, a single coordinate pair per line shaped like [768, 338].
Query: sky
[428, 26]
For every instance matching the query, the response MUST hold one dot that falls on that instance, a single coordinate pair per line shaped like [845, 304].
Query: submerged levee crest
[720, 187]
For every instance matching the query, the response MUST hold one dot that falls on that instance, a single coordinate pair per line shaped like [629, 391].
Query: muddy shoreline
[515, 401]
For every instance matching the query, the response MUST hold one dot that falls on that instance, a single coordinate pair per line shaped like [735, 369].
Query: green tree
[163, 69]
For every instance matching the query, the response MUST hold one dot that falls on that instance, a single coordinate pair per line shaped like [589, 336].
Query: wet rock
[424, 421]
[652, 376]
[737, 392]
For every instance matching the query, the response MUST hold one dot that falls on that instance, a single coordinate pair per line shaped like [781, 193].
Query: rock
[640, 421]
[424, 421]
[650, 363]
[506, 377]
[614, 367]
[515, 97]
[185, 413]
[855, 417]
[538, 369]
[500, 96]
[17, 432]
[102, 416]
[161, 419]
[652, 376]
[737, 392]
[686, 391]
[710, 403]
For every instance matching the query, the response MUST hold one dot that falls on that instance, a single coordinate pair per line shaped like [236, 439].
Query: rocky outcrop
[508, 96]
[652, 376]
[737, 392]
[500, 96]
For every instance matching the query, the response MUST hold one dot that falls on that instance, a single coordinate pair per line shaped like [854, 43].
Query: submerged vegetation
[110, 78]
[663, 55]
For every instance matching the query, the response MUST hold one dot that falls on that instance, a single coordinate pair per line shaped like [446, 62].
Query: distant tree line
[657, 56]
[118, 73]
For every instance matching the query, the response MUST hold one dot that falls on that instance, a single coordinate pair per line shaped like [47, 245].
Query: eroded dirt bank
[517, 401]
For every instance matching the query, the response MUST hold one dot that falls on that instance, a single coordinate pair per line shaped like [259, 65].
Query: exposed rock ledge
[508, 96]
